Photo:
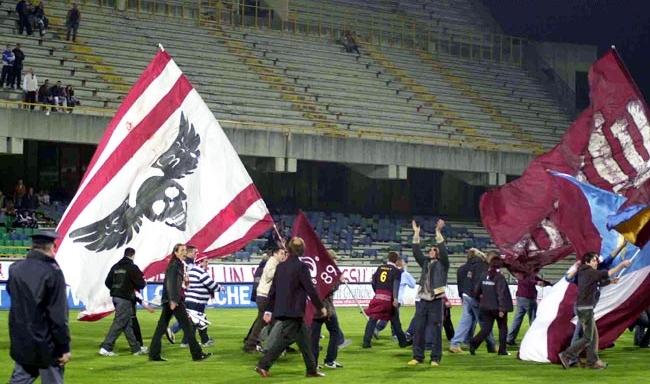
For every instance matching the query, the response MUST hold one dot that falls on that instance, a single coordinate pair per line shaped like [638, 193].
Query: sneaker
[434, 364]
[472, 350]
[260, 349]
[413, 363]
[202, 356]
[564, 360]
[504, 353]
[455, 349]
[366, 346]
[107, 353]
[334, 365]
[183, 345]
[345, 343]
[375, 334]
[315, 374]
[262, 372]
[208, 343]
[141, 352]
[598, 365]
[171, 337]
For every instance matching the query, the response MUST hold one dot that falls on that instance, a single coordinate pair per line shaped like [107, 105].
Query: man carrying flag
[384, 306]
[286, 304]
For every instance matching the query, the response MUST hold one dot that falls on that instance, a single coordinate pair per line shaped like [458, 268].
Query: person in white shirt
[30, 86]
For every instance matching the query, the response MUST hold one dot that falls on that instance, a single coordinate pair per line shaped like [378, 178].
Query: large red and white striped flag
[164, 173]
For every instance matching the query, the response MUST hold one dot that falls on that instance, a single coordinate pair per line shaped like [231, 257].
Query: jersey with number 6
[385, 277]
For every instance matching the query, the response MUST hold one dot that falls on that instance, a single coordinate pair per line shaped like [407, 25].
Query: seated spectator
[44, 96]
[44, 198]
[19, 193]
[350, 43]
[30, 87]
[57, 96]
[31, 199]
[2, 200]
[41, 22]
[71, 99]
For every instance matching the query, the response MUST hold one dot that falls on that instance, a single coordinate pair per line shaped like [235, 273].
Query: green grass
[385, 362]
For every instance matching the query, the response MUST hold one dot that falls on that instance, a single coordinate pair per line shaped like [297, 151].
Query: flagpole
[631, 261]
[356, 301]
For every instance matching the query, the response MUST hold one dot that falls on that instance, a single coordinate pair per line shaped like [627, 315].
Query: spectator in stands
[350, 43]
[494, 302]
[72, 22]
[44, 95]
[44, 198]
[18, 66]
[71, 100]
[2, 201]
[19, 193]
[30, 200]
[40, 20]
[58, 96]
[433, 281]
[30, 87]
[526, 302]
[8, 59]
[22, 11]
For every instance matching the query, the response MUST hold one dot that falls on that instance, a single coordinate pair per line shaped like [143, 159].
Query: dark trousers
[448, 325]
[30, 97]
[254, 333]
[284, 333]
[428, 313]
[16, 76]
[395, 324]
[589, 340]
[332, 325]
[137, 331]
[486, 321]
[181, 316]
[124, 312]
[72, 29]
[7, 73]
[24, 24]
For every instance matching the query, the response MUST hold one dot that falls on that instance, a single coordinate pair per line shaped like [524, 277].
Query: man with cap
[123, 280]
[38, 317]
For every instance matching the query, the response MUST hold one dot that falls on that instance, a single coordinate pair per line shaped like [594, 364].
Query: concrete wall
[59, 127]
[567, 58]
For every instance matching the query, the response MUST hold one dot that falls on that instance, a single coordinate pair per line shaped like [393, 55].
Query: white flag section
[164, 173]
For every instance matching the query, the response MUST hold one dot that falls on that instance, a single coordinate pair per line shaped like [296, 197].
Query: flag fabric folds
[163, 173]
[608, 146]
[619, 304]
[324, 272]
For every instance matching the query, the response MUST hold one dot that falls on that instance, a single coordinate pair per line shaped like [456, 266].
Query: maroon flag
[324, 273]
[607, 146]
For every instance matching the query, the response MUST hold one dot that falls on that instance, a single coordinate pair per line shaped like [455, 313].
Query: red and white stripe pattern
[224, 209]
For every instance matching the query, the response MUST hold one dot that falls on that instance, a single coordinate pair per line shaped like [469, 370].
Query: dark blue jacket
[38, 318]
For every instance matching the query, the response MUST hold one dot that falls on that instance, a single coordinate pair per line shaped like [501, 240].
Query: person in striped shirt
[199, 291]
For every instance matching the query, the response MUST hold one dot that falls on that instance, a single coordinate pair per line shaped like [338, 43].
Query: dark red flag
[607, 146]
[324, 273]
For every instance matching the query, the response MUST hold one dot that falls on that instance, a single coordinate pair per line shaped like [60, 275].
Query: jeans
[428, 313]
[395, 324]
[589, 340]
[524, 306]
[123, 322]
[181, 316]
[284, 333]
[27, 375]
[332, 325]
[487, 319]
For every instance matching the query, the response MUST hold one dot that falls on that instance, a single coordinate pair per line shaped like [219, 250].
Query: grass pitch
[384, 363]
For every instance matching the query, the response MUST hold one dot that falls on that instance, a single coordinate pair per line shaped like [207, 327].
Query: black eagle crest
[159, 198]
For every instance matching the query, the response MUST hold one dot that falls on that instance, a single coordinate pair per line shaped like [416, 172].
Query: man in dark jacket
[286, 304]
[384, 305]
[19, 58]
[72, 22]
[123, 280]
[173, 304]
[432, 291]
[38, 317]
[22, 12]
[495, 302]
[468, 276]
[589, 279]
